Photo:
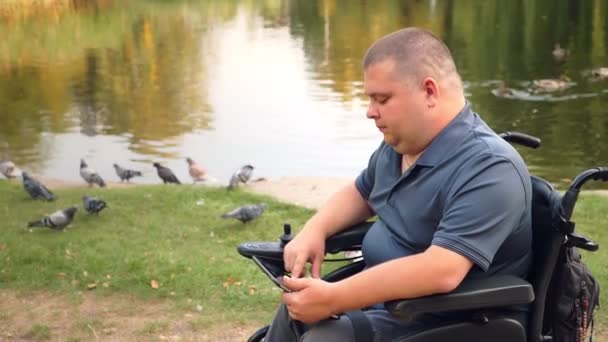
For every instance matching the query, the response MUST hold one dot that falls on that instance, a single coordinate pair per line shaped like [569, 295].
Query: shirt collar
[448, 137]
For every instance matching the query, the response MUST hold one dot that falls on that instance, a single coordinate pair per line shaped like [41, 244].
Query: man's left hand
[312, 300]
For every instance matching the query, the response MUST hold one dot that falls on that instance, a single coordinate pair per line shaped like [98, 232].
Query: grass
[147, 233]
[160, 233]
[39, 332]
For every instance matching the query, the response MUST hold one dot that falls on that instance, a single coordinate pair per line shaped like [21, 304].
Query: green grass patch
[161, 233]
[147, 233]
[39, 332]
[154, 327]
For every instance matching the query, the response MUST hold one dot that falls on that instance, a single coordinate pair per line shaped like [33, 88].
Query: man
[452, 199]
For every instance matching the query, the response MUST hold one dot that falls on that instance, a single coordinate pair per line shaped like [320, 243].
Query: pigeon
[89, 175]
[8, 169]
[57, 220]
[93, 205]
[241, 175]
[197, 172]
[36, 189]
[126, 174]
[246, 213]
[166, 174]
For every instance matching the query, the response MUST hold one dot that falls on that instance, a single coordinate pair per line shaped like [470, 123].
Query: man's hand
[312, 301]
[306, 246]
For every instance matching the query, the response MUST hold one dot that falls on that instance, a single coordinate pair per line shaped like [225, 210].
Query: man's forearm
[343, 209]
[435, 271]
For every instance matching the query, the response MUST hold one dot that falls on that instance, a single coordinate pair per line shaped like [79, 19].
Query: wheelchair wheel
[259, 335]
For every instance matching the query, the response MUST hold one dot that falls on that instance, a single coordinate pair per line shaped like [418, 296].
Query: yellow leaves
[228, 282]
[61, 275]
[154, 284]
[231, 282]
[91, 286]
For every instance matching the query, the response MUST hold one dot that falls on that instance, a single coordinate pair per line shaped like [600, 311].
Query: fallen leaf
[228, 282]
[85, 274]
[172, 293]
[237, 283]
[106, 285]
[108, 276]
[61, 275]
[154, 284]
[75, 282]
[189, 269]
[252, 289]
[199, 307]
[91, 286]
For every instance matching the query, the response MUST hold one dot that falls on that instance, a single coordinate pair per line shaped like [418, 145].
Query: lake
[278, 83]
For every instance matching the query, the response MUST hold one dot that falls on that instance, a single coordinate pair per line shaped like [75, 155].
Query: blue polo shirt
[469, 192]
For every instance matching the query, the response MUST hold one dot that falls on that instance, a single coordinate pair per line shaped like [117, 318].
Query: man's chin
[390, 141]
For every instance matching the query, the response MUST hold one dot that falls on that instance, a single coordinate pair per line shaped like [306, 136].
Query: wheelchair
[485, 298]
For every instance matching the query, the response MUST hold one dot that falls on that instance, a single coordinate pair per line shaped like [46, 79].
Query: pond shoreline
[309, 192]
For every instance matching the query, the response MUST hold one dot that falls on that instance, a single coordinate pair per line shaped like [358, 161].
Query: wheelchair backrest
[547, 241]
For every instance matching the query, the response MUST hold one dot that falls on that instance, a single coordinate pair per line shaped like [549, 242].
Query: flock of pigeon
[94, 205]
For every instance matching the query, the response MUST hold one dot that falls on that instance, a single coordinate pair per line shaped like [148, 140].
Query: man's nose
[372, 111]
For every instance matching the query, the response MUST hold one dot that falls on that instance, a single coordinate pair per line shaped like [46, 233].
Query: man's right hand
[307, 246]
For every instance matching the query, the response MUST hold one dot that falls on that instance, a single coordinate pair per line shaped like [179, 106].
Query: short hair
[417, 53]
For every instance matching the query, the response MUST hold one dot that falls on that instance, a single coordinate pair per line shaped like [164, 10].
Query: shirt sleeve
[485, 204]
[365, 181]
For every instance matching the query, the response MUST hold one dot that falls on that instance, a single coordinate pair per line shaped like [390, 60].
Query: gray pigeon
[36, 189]
[57, 220]
[246, 213]
[241, 175]
[93, 205]
[166, 174]
[126, 174]
[89, 175]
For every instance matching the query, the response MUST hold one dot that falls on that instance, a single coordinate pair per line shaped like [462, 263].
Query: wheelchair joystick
[286, 237]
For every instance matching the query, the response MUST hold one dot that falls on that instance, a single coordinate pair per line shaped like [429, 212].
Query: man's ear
[431, 89]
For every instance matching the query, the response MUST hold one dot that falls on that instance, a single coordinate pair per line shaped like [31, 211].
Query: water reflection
[278, 83]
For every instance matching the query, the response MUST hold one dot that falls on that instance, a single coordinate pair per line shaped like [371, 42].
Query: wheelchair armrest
[348, 239]
[492, 292]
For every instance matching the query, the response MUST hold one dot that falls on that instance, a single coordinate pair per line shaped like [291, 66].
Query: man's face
[396, 107]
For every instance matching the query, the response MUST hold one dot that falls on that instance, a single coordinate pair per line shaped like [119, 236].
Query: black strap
[362, 327]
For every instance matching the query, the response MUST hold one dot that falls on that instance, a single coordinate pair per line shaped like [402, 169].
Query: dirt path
[38, 316]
